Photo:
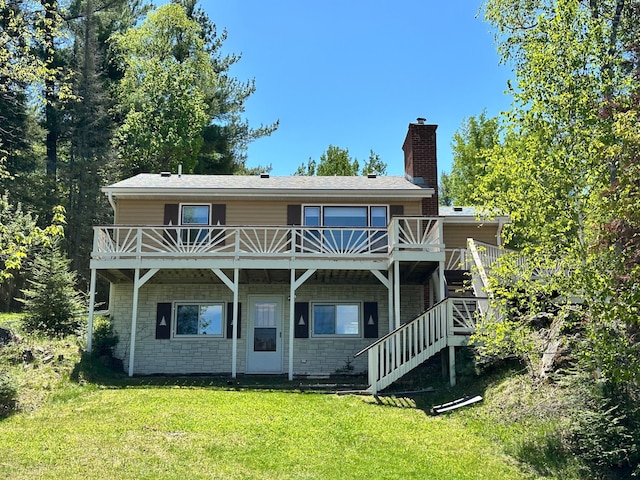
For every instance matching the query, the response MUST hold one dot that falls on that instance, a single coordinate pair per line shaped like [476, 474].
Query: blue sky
[355, 73]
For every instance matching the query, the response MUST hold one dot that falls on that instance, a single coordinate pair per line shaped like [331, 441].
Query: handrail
[395, 330]
[409, 345]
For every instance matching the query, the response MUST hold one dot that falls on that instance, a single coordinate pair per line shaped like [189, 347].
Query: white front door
[264, 342]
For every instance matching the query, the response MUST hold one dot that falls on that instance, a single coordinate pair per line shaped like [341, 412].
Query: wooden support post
[234, 340]
[390, 292]
[134, 320]
[452, 366]
[292, 320]
[396, 293]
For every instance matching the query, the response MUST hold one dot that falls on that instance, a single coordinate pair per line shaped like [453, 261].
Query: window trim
[312, 320]
[199, 303]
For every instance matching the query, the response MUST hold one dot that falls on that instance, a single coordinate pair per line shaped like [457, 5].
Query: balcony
[406, 238]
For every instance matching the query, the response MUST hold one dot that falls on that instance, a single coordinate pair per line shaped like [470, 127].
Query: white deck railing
[403, 233]
[456, 259]
[400, 351]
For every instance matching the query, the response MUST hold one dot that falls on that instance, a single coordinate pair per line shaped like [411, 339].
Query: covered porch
[134, 258]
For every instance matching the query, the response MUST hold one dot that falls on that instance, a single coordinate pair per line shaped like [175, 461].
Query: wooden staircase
[449, 323]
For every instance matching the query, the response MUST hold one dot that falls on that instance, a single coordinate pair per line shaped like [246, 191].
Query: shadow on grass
[547, 456]
[94, 371]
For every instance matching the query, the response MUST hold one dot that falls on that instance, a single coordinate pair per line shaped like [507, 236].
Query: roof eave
[472, 219]
[405, 194]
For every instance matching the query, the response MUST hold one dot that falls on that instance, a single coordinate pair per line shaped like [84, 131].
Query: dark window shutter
[396, 210]
[163, 321]
[218, 217]
[171, 217]
[230, 319]
[294, 214]
[294, 217]
[301, 316]
[218, 214]
[370, 319]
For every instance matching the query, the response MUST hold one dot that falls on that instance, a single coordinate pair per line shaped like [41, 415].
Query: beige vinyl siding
[254, 212]
[239, 212]
[140, 212]
[411, 209]
[455, 236]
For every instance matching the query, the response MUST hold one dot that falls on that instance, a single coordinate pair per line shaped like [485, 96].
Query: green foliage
[336, 161]
[444, 190]
[470, 145]
[167, 74]
[19, 234]
[52, 304]
[178, 102]
[566, 171]
[605, 428]
[104, 337]
[8, 393]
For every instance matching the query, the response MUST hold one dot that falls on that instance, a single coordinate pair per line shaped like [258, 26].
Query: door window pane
[264, 339]
[264, 314]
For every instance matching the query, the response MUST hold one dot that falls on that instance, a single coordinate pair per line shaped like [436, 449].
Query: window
[343, 238]
[336, 319]
[194, 319]
[194, 215]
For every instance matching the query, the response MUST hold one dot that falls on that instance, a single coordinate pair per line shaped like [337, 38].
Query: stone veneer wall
[213, 355]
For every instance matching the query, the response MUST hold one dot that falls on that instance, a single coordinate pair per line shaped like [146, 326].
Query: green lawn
[185, 433]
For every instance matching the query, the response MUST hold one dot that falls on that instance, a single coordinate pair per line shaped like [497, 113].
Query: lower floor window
[199, 319]
[336, 319]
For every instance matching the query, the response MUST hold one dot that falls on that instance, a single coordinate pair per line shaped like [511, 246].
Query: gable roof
[146, 185]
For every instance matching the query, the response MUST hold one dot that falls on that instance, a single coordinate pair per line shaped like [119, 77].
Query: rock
[27, 355]
[6, 336]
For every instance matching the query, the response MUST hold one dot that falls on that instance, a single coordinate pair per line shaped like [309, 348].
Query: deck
[225, 246]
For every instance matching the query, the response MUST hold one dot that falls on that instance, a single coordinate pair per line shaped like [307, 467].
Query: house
[265, 274]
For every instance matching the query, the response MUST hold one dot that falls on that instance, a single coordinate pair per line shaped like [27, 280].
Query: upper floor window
[346, 218]
[194, 215]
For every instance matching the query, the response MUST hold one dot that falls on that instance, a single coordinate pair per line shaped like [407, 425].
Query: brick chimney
[420, 161]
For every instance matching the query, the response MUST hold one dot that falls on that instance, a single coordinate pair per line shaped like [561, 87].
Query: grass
[86, 422]
[202, 433]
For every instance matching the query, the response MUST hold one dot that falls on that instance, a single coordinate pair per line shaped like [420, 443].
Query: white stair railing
[408, 346]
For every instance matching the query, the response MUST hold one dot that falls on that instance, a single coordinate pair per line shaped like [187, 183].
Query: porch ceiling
[410, 273]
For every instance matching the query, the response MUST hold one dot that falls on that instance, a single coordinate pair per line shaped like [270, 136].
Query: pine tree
[52, 303]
